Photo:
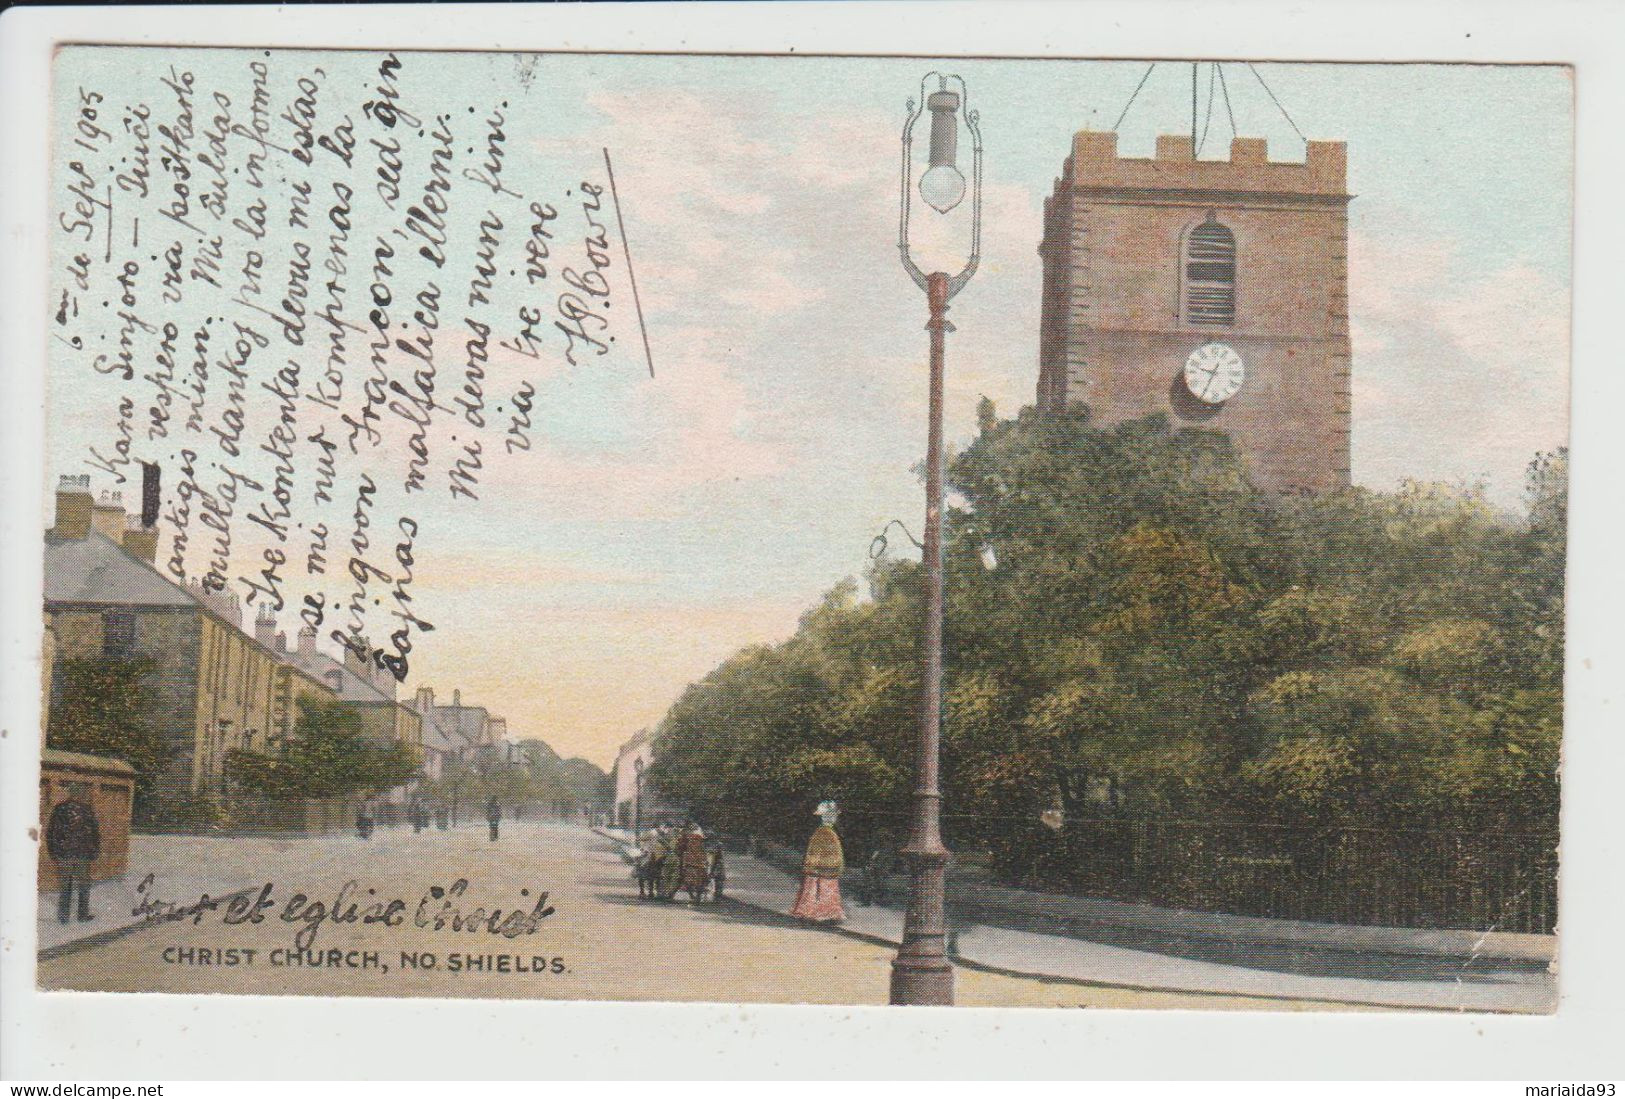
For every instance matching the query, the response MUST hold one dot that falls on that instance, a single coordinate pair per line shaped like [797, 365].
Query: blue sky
[661, 523]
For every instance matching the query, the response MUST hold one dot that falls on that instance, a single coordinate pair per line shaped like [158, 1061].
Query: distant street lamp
[921, 972]
[471, 769]
[637, 796]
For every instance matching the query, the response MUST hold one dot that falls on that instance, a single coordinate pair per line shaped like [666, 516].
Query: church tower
[1213, 291]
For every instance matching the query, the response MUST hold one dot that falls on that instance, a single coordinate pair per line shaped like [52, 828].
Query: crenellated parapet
[1095, 165]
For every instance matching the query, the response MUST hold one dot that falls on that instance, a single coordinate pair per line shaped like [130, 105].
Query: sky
[660, 523]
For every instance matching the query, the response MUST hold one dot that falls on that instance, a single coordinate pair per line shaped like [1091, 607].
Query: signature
[438, 909]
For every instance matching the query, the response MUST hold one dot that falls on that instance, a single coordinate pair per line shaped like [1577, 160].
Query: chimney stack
[307, 641]
[149, 495]
[221, 602]
[107, 516]
[265, 628]
[425, 700]
[281, 642]
[140, 541]
[355, 661]
[73, 504]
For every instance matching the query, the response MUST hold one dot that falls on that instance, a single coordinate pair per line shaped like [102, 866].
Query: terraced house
[209, 686]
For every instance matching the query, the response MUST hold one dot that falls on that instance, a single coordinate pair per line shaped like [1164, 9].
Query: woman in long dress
[694, 863]
[819, 899]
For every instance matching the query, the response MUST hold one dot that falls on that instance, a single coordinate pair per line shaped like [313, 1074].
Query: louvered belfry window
[1210, 274]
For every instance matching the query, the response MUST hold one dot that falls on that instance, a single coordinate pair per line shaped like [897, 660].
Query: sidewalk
[183, 868]
[181, 873]
[1137, 946]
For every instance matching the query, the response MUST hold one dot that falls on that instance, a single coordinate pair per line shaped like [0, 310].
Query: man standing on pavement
[493, 816]
[73, 839]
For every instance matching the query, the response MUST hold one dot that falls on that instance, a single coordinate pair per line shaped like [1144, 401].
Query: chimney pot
[265, 627]
[107, 516]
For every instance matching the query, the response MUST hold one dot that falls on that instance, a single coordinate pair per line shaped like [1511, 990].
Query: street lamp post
[637, 796]
[921, 972]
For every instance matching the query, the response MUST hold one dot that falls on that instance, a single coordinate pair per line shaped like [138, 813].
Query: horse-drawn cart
[661, 873]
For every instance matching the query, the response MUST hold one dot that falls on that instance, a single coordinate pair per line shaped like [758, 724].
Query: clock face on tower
[1214, 373]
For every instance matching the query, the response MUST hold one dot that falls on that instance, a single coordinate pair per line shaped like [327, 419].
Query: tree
[329, 756]
[1160, 640]
[103, 705]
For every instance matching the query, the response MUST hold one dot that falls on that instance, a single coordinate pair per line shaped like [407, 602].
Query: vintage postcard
[804, 529]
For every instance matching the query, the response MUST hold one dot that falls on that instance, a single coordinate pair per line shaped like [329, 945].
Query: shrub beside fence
[1393, 878]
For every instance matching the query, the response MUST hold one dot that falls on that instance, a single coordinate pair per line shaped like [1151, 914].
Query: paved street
[608, 944]
[1131, 946]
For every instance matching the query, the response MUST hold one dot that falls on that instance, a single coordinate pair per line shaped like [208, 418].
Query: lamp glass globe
[942, 187]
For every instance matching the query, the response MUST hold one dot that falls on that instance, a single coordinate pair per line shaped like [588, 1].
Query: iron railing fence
[1487, 880]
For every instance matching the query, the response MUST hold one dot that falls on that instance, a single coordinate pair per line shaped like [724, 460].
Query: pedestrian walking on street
[692, 861]
[877, 869]
[493, 816]
[73, 839]
[819, 900]
[719, 870]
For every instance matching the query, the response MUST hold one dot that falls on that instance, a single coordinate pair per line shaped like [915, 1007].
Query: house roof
[97, 571]
[643, 737]
[437, 738]
[351, 686]
[466, 721]
[81, 761]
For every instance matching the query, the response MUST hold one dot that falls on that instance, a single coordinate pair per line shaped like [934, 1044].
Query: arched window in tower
[1210, 274]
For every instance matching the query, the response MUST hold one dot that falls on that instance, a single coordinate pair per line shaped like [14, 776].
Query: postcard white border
[78, 1036]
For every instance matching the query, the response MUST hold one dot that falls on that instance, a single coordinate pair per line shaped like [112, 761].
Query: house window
[118, 632]
[1210, 274]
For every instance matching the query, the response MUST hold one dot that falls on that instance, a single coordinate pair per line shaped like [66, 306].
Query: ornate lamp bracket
[956, 283]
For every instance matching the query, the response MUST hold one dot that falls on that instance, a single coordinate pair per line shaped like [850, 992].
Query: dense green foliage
[538, 777]
[329, 756]
[100, 706]
[1160, 641]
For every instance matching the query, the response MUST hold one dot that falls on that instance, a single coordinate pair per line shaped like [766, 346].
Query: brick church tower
[1215, 292]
